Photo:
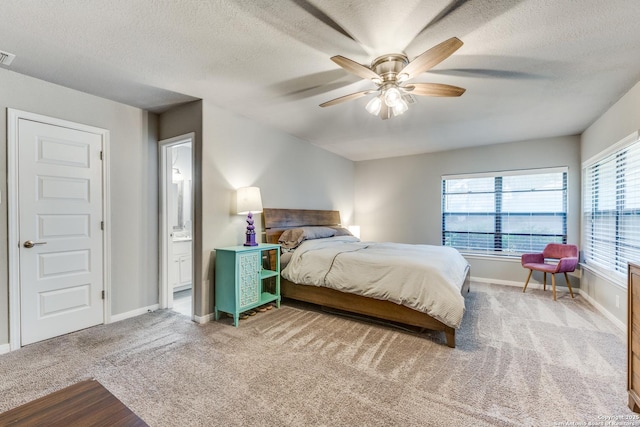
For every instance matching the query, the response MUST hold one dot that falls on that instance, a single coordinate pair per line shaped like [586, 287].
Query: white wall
[291, 173]
[617, 122]
[133, 171]
[399, 199]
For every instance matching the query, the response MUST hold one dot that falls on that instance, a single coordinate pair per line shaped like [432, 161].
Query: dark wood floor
[86, 403]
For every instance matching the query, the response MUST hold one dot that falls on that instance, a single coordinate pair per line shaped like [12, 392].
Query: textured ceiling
[532, 68]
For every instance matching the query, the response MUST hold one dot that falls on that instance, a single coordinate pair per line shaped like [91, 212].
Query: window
[611, 208]
[505, 213]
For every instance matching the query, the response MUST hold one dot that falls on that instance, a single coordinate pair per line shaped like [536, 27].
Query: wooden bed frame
[276, 221]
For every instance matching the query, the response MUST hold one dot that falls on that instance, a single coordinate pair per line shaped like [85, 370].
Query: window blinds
[611, 209]
[505, 212]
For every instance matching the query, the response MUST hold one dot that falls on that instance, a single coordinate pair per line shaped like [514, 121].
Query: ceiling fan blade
[346, 98]
[431, 58]
[322, 17]
[355, 68]
[453, 6]
[433, 89]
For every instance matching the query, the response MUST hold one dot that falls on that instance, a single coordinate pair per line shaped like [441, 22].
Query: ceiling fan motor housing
[388, 66]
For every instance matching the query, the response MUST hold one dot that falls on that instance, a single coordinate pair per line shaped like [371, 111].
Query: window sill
[492, 257]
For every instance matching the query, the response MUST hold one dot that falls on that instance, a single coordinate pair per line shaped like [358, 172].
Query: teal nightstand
[246, 277]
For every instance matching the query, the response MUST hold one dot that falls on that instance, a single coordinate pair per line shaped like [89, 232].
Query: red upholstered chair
[567, 256]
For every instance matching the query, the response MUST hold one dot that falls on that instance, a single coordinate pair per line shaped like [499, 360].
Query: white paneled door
[60, 231]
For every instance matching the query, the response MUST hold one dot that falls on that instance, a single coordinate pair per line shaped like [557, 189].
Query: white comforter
[422, 277]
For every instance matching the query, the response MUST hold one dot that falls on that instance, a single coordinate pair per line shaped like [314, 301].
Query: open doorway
[176, 224]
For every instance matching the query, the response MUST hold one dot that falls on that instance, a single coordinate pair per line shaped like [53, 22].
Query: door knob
[31, 243]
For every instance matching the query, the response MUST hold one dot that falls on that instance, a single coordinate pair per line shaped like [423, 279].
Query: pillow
[292, 237]
[340, 231]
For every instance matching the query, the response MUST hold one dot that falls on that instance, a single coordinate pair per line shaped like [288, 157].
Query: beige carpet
[522, 359]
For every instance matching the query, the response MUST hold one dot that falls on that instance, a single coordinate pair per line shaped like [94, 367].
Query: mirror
[181, 180]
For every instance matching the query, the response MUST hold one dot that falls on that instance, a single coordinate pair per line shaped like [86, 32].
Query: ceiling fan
[390, 73]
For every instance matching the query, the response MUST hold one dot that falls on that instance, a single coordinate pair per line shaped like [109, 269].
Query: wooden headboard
[278, 220]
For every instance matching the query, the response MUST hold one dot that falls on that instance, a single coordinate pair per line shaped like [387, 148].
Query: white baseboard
[498, 281]
[518, 284]
[621, 325]
[133, 313]
[606, 313]
[203, 319]
[5, 348]
[117, 317]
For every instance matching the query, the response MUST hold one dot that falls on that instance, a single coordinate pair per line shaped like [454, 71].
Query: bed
[279, 221]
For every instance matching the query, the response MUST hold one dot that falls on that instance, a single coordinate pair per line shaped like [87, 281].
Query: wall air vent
[6, 58]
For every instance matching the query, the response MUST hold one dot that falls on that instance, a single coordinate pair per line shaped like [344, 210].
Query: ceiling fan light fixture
[400, 107]
[392, 97]
[374, 106]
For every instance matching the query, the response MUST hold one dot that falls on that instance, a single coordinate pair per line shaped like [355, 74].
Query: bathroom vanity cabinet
[182, 265]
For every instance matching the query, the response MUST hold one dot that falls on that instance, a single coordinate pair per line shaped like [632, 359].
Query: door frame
[163, 147]
[13, 220]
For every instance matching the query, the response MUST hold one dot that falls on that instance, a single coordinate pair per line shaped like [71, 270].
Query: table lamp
[249, 202]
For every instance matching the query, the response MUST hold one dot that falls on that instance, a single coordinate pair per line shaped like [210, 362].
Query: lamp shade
[392, 96]
[249, 200]
[374, 106]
